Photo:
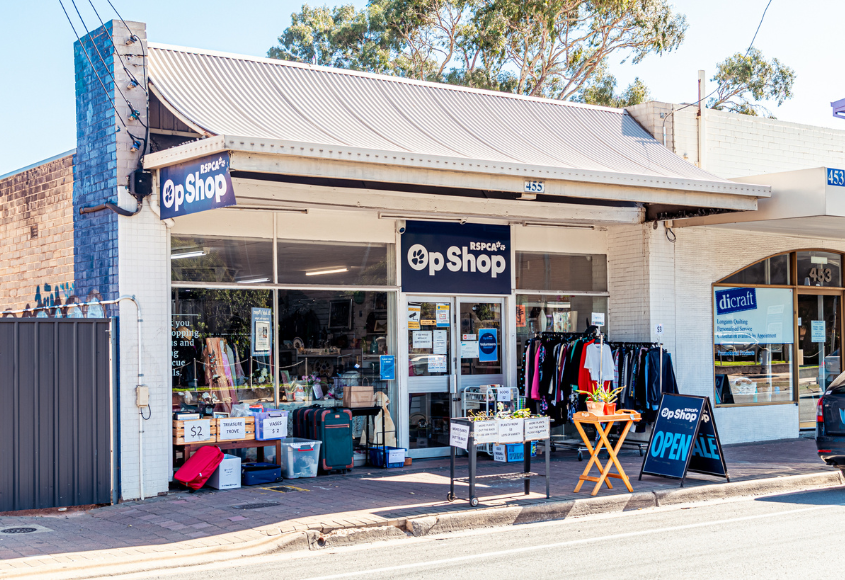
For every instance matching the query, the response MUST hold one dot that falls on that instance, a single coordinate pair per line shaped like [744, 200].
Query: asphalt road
[788, 536]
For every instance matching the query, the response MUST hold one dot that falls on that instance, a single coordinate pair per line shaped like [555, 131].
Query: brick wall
[36, 236]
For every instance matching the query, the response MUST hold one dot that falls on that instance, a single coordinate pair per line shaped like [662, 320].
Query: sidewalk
[364, 497]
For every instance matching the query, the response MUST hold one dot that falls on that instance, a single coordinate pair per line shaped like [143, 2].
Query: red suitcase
[199, 467]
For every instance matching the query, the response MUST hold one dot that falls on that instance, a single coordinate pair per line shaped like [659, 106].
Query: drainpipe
[702, 85]
[140, 373]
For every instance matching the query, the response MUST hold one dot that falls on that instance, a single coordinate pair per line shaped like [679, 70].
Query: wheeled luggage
[199, 467]
[334, 429]
[260, 473]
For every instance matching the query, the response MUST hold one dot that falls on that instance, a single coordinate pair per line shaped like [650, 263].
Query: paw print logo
[167, 195]
[417, 256]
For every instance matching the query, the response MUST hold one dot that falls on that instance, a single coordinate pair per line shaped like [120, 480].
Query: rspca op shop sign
[195, 186]
[752, 315]
[456, 258]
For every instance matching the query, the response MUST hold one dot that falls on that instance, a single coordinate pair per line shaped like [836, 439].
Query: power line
[119, 56]
[720, 86]
[133, 113]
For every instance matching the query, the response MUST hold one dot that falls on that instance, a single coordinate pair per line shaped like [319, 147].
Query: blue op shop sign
[198, 185]
[456, 258]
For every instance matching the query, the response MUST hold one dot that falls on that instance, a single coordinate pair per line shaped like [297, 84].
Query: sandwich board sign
[684, 439]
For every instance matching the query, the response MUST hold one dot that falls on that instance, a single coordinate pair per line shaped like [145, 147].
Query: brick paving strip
[223, 524]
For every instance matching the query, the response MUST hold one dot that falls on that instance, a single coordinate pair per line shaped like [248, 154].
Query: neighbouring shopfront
[778, 332]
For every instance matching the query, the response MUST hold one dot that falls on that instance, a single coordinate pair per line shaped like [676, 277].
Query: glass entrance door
[819, 350]
[431, 374]
[480, 341]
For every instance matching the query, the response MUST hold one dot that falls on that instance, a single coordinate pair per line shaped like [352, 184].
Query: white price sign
[598, 319]
[503, 395]
[459, 435]
[229, 429]
[485, 432]
[510, 430]
[196, 431]
[658, 329]
[275, 427]
[537, 429]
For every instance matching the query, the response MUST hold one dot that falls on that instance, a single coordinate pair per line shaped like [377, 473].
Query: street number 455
[836, 177]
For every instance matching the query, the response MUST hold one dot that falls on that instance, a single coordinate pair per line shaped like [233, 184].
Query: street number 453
[836, 177]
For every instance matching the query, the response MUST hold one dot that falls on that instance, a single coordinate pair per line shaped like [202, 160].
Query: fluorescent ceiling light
[194, 254]
[254, 281]
[332, 271]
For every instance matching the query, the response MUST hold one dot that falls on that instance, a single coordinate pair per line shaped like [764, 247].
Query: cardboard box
[228, 474]
[356, 397]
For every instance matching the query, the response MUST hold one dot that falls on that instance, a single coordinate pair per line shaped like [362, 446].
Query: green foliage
[744, 80]
[550, 48]
[601, 90]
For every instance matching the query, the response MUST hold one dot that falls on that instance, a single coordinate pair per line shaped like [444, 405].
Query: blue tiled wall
[95, 171]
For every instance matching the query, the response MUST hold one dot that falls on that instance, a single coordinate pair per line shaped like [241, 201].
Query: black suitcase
[334, 429]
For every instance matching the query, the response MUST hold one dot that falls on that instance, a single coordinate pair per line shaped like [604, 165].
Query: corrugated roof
[225, 94]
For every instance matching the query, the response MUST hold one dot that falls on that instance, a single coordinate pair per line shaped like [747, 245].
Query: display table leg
[472, 462]
[279, 452]
[594, 457]
[548, 446]
[259, 454]
[611, 461]
[526, 465]
[451, 473]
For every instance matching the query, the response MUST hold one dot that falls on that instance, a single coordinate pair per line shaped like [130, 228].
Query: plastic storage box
[395, 456]
[271, 425]
[300, 457]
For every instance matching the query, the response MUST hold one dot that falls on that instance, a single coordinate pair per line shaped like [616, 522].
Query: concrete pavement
[248, 519]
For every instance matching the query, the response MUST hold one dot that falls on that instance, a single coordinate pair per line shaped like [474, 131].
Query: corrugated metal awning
[256, 98]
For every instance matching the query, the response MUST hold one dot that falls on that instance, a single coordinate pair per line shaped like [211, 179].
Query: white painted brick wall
[655, 281]
[143, 273]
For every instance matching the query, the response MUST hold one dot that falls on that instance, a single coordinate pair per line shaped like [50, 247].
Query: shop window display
[331, 263]
[221, 349]
[555, 272]
[328, 340]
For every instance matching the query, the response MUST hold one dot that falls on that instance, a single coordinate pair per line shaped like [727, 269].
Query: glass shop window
[335, 263]
[570, 272]
[819, 269]
[753, 334]
[222, 348]
[331, 339]
[221, 260]
[774, 270]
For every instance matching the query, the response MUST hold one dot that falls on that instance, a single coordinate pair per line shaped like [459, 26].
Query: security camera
[400, 226]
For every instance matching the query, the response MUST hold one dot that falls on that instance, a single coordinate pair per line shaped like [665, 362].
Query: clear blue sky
[36, 68]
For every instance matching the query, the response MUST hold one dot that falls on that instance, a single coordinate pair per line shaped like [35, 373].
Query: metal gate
[55, 412]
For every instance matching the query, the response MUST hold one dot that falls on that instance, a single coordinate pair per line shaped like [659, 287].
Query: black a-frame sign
[684, 439]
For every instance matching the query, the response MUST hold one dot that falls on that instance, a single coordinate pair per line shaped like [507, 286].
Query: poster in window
[520, 316]
[414, 311]
[261, 323]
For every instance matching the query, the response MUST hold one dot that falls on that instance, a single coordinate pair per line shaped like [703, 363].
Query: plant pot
[610, 408]
[595, 407]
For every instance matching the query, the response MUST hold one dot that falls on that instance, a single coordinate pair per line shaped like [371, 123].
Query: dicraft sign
[456, 258]
[195, 186]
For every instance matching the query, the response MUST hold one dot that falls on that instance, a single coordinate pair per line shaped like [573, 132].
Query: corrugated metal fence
[55, 412]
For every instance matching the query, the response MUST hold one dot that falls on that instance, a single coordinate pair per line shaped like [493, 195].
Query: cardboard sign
[510, 430]
[539, 428]
[458, 435]
[196, 431]
[681, 441]
[229, 429]
[485, 432]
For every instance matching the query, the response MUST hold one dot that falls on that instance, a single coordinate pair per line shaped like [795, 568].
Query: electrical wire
[720, 86]
[146, 76]
[148, 417]
[119, 56]
[132, 110]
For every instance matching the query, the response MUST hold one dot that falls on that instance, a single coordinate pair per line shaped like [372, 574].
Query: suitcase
[300, 422]
[260, 473]
[334, 429]
[199, 467]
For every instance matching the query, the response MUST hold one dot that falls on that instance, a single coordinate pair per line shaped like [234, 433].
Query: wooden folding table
[630, 417]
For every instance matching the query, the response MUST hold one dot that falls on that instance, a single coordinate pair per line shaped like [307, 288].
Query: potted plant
[595, 402]
[609, 399]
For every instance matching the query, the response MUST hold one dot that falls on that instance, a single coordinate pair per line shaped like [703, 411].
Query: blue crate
[377, 456]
